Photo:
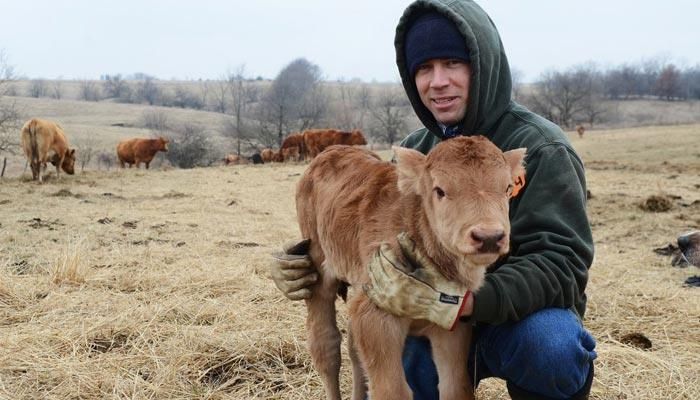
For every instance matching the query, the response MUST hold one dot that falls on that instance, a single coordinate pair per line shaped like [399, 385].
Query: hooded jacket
[551, 241]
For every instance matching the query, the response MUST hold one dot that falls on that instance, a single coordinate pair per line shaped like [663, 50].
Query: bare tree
[243, 94]
[219, 93]
[57, 89]
[389, 113]
[561, 96]
[89, 91]
[87, 150]
[668, 83]
[190, 146]
[148, 91]
[114, 86]
[10, 116]
[184, 98]
[37, 88]
[517, 78]
[282, 104]
[204, 92]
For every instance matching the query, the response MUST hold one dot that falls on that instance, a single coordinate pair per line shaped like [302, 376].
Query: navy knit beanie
[433, 35]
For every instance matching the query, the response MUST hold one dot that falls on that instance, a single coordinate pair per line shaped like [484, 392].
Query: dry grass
[163, 289]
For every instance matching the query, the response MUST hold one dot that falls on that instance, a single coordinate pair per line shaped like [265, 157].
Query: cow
[139, 150]
[292, 148]
[235, 159]
[580, 130]
[453, 203]
[267, 155]
[38, 137]
[316, 140]
[290, 154]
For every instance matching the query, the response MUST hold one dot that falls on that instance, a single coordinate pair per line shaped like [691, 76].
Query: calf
[317, 140]
[38, 137]
[138, 150]
[453, 203]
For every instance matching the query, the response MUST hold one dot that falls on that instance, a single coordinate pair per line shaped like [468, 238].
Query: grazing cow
[138, 150]
[267, 155]
[453, 203]
[581, 130]
[689, 246]
[316, 140]
[290, 154]
[291, 145]
[38, 138]
[235, 159]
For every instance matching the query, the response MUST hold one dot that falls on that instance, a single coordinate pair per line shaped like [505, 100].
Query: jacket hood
[490, 87]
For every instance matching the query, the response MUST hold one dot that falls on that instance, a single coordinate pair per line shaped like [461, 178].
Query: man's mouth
[444, 101]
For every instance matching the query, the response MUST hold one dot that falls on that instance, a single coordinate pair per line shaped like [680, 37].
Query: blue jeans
[548, 353]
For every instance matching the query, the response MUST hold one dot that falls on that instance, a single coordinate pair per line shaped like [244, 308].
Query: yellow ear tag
[518, 184]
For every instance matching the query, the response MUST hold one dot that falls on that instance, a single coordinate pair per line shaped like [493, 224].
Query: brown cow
[292, 148]
[453, 203]
[38, 138]
[139, 150]
[580, 130]
[235, 159]
[267, 155]
[316, 140]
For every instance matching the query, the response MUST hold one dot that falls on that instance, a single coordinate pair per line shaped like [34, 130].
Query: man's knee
[549, 352]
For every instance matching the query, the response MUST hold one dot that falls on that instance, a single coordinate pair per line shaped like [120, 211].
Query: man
[527, 316]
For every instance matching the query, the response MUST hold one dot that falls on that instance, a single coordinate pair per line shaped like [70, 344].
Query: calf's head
[464, 185]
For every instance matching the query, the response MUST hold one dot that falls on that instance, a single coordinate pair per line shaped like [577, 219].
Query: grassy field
[154, 284]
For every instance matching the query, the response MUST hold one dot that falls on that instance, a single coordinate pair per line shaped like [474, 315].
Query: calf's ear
[516, 161]
[410, 164]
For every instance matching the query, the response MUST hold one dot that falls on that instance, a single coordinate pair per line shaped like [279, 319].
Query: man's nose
[440, 78]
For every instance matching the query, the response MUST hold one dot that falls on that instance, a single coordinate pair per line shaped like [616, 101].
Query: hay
[172, 297]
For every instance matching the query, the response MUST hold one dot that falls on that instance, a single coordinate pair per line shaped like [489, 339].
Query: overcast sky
[83, 39]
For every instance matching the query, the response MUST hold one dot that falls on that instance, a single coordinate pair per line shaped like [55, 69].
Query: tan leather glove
[422, 293]
[292, 270]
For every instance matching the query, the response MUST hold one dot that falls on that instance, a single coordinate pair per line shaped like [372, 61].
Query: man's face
[443, 86]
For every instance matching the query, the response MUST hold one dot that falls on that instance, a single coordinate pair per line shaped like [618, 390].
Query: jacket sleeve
[551, 242]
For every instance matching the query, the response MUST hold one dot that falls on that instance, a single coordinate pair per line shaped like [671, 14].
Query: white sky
[83, 39]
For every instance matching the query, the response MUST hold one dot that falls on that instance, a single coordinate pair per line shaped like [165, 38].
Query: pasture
[154, 284]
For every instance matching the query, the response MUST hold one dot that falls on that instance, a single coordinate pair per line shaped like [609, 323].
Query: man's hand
[292, 270]
[422, 293]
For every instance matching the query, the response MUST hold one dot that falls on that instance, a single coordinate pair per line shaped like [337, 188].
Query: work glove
[292, 270]
[414, 289]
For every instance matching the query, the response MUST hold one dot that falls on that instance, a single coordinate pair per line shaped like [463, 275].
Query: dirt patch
[636, 339]
[38, 223]
[657, 203]
[66, 193]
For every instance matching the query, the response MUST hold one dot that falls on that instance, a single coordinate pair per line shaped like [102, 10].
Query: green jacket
[551, 242]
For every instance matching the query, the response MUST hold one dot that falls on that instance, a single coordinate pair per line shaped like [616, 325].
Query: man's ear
[409, 167]
[516, 161]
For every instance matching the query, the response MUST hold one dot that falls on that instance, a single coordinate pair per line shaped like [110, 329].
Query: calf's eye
[439, 192]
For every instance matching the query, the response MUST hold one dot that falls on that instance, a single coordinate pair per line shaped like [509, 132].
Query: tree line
[260, 113]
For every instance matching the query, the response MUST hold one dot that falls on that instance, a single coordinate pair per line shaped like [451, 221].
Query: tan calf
[38, 137]
[453, 203]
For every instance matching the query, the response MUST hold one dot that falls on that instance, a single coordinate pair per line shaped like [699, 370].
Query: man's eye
[439, 192]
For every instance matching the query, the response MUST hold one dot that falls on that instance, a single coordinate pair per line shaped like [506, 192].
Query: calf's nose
[683, 242]
[488, 240]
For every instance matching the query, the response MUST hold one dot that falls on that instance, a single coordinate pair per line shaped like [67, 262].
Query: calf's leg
[380, 339]
[450, 354]
[324, 336]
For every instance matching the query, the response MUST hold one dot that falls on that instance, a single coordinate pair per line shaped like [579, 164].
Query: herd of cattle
[301, 146]
[45, 141]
